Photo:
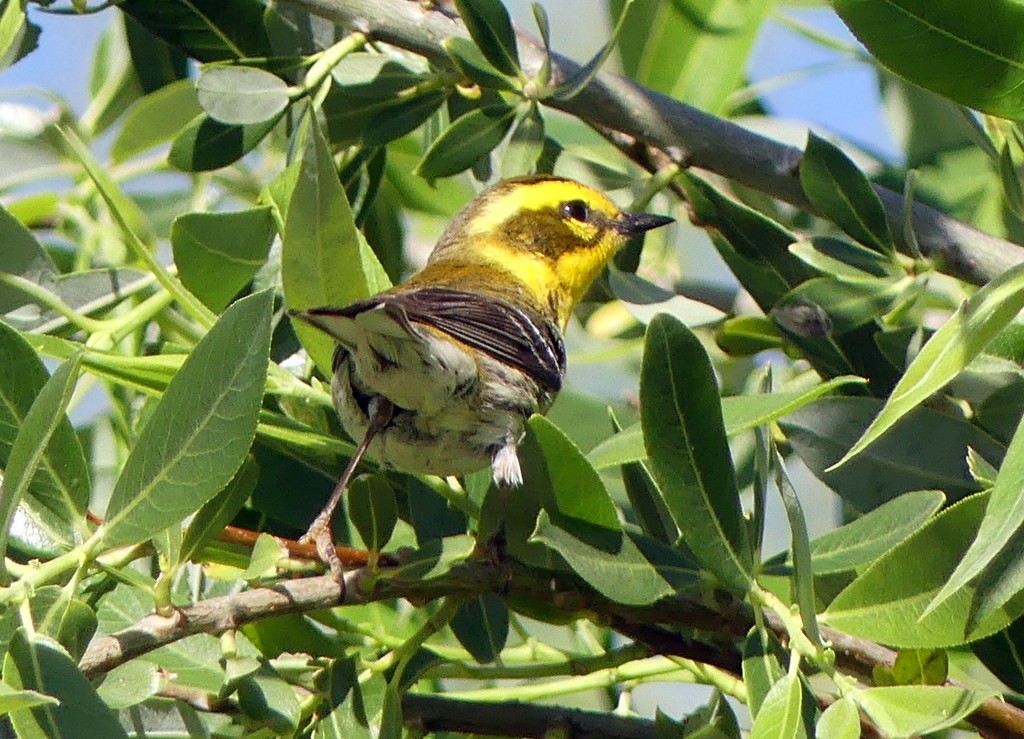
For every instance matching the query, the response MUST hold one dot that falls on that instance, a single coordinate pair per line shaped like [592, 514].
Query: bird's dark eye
[576, 210]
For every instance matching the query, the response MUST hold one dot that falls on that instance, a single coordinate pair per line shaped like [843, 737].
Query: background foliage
[239, 157]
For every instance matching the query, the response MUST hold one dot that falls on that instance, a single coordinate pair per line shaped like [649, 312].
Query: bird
[440, 373]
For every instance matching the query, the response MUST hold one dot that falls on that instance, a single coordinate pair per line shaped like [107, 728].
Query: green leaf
[155, 119]
[887, 602]
[844, 260]
[469, 138]
[525, 144]
[739, 413]
[685, 440]
[839, 721]
[491, 29]
[803, 577]
[921, 667]
[960, 52]
[434, 559]
[373, 510]
[59, 487]
[948, 351]
[40, 424]
[762, 668]
[206, 144]
[219, 253]
[625, 567]
[694, 52]
[395, 120]
[376, 76]
[270, 701]
[872, 535]
[745, 336]
[1002, 654]
[907, 711]
[199, 432]
[928, 451]
[86, 291]
[206, 30]
[781, 716]
[18, 36]
[266, 553]
[40, 664]
[840, 190]
[994, 561]
[241, 96]
[481, 626]
[844, 305]
[470, 61]
[325, 260]
[22, 255]
[129, 684]
[16, 700]
[644, 300]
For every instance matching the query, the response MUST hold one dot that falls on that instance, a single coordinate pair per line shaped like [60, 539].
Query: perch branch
[684, 134]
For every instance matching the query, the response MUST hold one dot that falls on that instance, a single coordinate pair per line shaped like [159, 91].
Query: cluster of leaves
[308, 153]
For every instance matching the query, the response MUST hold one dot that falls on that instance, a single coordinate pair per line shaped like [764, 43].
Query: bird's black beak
[630, 224]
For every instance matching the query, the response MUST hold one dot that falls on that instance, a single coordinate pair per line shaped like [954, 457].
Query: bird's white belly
[453, 410]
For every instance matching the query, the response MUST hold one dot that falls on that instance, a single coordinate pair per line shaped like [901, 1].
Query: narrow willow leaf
[949, 350]
[219, 511]
[15, 700]
[39, 663]
[912, 710]
[840, 190]
[29, 446]
[844, 260]
[481, 626]
[803, 576]
[240, 96]
[372, 508]
[864, 540]
[471, 62]
[926, 452]
[129, 684]
[780, 716]
[959, 51]
[839, 721]
[217, 254]
[469, 138]
[887, 601]
[685, 440]
[325, 260]
[739, 413]
[525, 144]
[627, 568]
[58, 492]
[846, 305]
[270, 701]
[646, 500]
[24, 256]
[762, 666]
[206, 30]
[995, 558]
[491, 28]
[396, 120]
[199, 432]
[155, 119]
[206, 144]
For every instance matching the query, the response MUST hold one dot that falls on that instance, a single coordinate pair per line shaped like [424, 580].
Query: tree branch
[686, 135]
[730, 619]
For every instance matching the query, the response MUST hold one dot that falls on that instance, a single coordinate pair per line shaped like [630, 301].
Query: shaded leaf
[491, 29]
[838, 189]
[685, 440]
[481, 626]
[205, 144]
[469, 138]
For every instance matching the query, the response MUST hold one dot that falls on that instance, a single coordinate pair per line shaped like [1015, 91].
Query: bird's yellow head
[553, 236]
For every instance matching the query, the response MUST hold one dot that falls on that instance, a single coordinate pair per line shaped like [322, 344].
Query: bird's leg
[320, 533]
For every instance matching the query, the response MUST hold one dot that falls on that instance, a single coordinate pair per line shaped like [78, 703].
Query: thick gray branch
[686, 135]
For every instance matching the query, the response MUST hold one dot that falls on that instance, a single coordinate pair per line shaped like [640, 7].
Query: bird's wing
[516, 336]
